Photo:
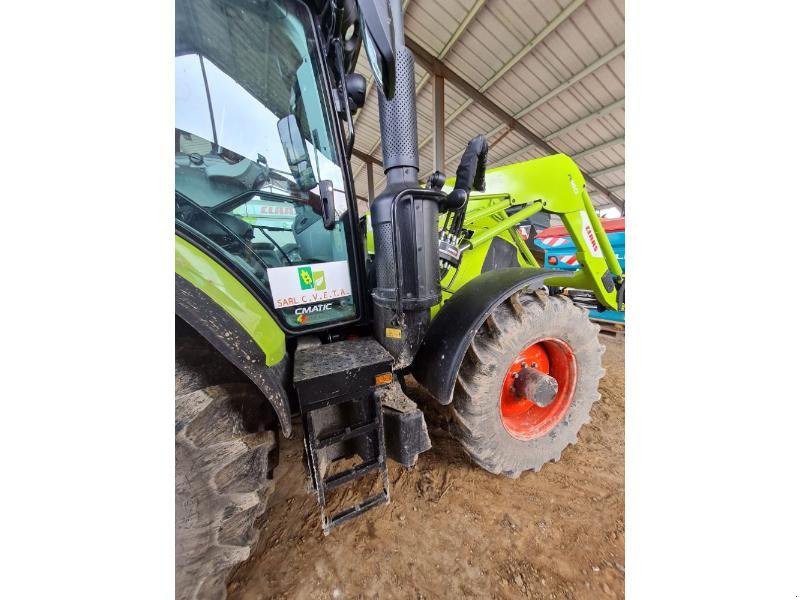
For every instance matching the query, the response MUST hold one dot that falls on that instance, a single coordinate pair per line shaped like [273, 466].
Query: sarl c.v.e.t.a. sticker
[309, 284]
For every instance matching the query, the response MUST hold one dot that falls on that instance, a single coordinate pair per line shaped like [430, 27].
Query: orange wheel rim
[522, 418]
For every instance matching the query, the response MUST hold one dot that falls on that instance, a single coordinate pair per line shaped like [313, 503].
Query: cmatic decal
[302, 312]
[589, 236]
[309, 284]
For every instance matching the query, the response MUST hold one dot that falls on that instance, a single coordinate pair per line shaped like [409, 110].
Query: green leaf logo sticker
[306, 278]
[319, 280]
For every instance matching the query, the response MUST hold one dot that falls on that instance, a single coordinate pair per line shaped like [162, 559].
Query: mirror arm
[345, 101]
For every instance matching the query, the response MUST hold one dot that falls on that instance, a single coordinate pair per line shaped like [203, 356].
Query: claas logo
[311, 280]
[592, 239]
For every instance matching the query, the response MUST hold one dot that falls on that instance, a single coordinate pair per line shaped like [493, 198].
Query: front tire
[224, 456]
[503, 432]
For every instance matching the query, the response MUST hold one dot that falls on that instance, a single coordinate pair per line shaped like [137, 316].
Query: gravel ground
[453, 530]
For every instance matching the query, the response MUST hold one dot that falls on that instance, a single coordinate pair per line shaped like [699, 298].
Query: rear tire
[224, 456]
[476, 421]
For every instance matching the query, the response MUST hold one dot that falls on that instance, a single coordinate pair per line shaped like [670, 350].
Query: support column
[438, 123]
[370, 181]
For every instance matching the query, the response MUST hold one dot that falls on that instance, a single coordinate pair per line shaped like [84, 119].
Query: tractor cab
[261, 177]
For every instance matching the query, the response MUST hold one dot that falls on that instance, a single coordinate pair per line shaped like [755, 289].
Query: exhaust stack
[398, 116]
[404, 219]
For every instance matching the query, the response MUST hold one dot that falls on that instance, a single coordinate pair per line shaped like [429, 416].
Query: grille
[399, 141]
[384, 254]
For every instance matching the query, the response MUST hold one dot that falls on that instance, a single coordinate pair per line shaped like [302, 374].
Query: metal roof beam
[366, 158]
[607, 170]
[438, 122]
[575, 157]
[583, 153]
[436, 66]
[371, 181]
[447, 122]
[616, 187]
[600, 62]
[590, 117]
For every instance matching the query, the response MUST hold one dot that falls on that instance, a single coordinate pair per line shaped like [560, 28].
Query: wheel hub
[538, 389]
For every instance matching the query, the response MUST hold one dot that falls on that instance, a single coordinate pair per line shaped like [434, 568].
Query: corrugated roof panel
[580, 141]
[522, 20]
[585, 25]
[602, 86]
[610, 181]
[469, 124]
[614, 155]
[610, 16]
[606, 126]
[596, 162]
[524, 75]
[432, 23]
[586, 45]
[482, 50]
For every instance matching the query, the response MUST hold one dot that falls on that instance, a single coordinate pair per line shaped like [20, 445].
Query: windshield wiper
[263, 228]
[242, 242]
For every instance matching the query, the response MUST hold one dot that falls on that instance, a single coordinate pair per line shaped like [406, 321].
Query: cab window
[253, 139]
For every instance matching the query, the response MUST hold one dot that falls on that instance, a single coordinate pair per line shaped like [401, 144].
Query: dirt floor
[453, 530]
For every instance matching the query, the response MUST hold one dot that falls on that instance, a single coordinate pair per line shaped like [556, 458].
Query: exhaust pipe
[404, 219]
[398, 116]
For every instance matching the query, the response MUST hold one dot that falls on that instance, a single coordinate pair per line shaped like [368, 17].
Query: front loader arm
[555, 184]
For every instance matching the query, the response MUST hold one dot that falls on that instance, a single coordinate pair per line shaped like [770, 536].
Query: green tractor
[287, 303]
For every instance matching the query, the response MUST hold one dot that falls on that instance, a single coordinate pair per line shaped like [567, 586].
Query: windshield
[233, 81]
[253, 137]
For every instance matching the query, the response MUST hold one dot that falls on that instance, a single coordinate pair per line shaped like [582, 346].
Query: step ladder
[342, 418]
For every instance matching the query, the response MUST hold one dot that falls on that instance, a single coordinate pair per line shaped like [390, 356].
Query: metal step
[372, 434]
[342, 418]
[354, 511]
[347, 434]
[331, 483]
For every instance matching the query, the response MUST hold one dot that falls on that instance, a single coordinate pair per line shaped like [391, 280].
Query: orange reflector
[394, 333]
[552, 260]
[383, 379]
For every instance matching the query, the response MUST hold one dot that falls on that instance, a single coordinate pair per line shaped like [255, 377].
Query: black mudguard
[439, 357]
[229, 338]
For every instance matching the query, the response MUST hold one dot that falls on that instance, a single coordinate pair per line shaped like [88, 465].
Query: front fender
[439, 357]
[235, 344]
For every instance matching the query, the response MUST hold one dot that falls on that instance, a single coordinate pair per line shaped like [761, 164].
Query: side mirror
[355, 86]
[378, 35]
[294, 147]
[328, 205]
